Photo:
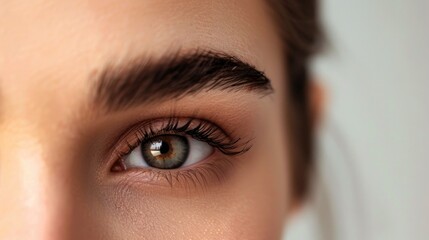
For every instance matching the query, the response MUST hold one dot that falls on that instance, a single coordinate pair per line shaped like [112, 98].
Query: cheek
[250, 207]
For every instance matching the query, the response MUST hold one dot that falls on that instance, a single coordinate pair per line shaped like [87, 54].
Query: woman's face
[133, 120]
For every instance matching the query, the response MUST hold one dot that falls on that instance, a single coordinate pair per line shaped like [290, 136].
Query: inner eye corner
[117, 167]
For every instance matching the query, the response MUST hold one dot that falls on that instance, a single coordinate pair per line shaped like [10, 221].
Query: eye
[168, 151]
[175, 143]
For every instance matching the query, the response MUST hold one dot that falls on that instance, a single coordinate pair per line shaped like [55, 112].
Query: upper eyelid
[218, 142]
[149, 125]
[136, 131]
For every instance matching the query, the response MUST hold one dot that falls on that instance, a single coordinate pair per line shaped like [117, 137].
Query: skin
[55, 179]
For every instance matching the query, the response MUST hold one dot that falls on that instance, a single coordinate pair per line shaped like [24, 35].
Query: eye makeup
[210, 170]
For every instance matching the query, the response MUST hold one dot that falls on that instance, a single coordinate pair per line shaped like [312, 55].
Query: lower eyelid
[212, 171]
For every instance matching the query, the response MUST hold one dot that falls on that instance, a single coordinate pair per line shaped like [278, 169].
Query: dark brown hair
[299, 26]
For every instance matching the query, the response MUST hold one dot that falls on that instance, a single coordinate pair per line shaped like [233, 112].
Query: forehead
[50, 44]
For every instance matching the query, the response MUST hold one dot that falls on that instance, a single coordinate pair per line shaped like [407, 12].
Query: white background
[374, 144]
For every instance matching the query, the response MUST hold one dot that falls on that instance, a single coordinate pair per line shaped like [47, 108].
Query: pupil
[165, 148]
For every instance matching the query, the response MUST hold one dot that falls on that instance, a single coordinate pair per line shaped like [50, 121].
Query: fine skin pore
[56, 140]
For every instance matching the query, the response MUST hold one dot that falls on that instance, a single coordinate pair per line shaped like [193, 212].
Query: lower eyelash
[191, 179]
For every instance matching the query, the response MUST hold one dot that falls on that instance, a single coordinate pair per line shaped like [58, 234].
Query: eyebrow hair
[144, 81]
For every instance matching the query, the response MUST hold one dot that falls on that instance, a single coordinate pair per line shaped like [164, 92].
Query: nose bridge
[33, 198]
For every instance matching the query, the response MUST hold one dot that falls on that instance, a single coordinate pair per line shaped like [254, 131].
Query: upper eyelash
[203, 131]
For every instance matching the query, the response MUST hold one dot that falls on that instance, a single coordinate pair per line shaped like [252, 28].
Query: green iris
[166, 151]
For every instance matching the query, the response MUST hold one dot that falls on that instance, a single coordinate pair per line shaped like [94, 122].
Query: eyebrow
[145, 80]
